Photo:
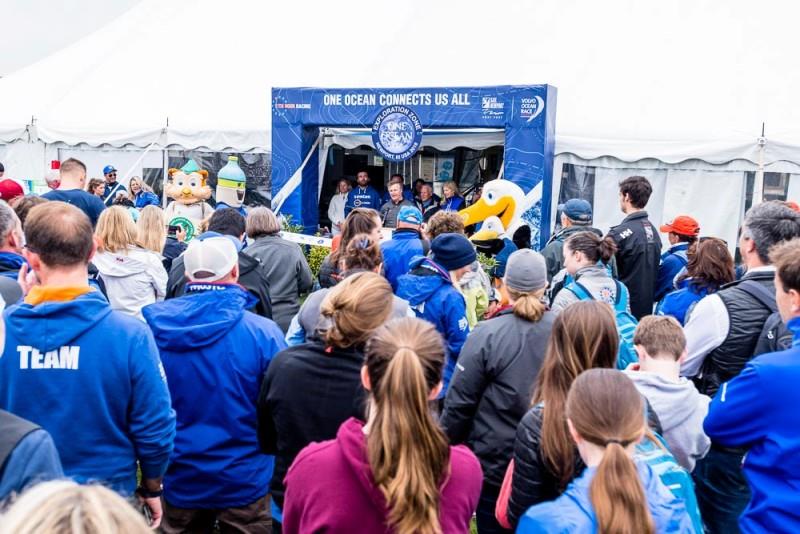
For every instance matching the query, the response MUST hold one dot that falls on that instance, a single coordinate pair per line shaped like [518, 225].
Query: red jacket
[329, 488]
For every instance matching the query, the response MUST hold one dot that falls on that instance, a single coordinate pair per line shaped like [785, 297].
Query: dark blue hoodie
[101, 397]
[430, 293]
[215, 355]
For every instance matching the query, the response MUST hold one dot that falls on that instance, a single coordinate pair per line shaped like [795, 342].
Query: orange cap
[682, 225]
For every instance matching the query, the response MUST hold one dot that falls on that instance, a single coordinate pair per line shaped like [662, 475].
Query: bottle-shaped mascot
[231, 183]
[187, 186]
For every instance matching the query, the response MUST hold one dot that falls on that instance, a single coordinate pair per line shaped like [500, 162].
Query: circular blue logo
[397, 133]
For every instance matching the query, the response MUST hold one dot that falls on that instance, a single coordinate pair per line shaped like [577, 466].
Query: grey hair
[8, 220]
[768, 224]
[262, 221]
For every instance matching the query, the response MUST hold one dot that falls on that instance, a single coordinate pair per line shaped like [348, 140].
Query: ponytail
[528, 305]
[605, 409]
[408, 453]
[617, 494]
[594, 247]
[353, 309]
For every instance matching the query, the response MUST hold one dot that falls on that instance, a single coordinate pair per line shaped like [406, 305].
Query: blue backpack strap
[620, 303]
[580, 291]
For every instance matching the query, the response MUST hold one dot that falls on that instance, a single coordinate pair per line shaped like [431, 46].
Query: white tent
[678, 90]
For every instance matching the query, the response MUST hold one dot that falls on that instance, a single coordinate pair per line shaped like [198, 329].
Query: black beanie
[452, 251]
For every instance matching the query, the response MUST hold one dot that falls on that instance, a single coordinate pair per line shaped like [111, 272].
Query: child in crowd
[661, 346]
[605, 417]
[396, 472]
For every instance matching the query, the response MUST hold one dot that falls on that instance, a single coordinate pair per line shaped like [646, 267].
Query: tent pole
[758, 185]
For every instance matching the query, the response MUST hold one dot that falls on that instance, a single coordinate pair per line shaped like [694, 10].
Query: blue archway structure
[398, 118]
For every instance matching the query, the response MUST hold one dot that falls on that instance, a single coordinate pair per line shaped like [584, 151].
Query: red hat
[10, 189]
[682, 225]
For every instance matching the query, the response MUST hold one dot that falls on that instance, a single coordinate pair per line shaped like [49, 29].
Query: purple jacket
[329, 488]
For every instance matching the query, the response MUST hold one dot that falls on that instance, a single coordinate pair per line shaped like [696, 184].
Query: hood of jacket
[11, 261]
[115, 264]
[353, 446]
[423, 280]
[56, 324]
[669, 512]
[198, 319]
[664, 395]
[565, 233]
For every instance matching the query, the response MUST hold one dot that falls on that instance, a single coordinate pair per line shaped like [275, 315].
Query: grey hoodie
[681, 410]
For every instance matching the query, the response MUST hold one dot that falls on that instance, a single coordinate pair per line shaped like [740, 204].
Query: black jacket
[172, 249]
[638, 257]
[747, 315]
[329, 274]
[306, 394]
[492, 386]
[251, 276]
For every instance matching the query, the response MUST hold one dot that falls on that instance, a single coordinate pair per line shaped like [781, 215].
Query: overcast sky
[33, 29]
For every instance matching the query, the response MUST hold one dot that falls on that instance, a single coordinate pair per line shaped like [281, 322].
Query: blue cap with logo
[109, 169]
[577, 210]
[410, 215]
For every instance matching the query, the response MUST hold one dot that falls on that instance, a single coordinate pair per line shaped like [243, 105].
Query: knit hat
[409, 215]
[452, 251]
[526, 271]
[210, 259]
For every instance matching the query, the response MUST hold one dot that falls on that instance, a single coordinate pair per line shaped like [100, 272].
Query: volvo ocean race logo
[397, 133]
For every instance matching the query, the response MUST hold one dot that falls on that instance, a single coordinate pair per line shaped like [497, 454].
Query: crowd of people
[603, 385]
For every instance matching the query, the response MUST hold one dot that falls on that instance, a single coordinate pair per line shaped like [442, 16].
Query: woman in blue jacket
[430, 289]
[452, 200]
[710, 267]
[141, 194]
[605, 416]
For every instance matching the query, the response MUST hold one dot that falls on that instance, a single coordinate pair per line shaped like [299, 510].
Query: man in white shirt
[336, 207]
[721, 334]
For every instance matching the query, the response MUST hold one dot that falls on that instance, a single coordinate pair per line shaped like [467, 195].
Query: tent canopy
[676, 80]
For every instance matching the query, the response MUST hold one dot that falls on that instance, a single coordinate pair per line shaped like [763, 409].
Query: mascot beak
[503, 209]
[484, 235]
[187, 192]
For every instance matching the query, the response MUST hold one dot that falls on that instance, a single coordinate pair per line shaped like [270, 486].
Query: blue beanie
[452, 251]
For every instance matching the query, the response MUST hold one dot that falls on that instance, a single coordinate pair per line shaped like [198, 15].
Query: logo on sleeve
[63, 358]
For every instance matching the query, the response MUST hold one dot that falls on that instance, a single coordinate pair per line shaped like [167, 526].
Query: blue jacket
[215, 355]
[10, 264]
[362, 197]
[146, 198]
[678, 303]
[99, 388]
[454, 203]
[758, 410]
[33, 460]
[430, 293]
[672, 261]
[398, 253]
[240, 209]
[573, 513]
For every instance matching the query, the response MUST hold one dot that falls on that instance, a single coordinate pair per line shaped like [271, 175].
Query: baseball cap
[526, 270]
[410, 215]
[577, 209]
[109, 168]
[682, 225]
[210, 259]
[10, 189]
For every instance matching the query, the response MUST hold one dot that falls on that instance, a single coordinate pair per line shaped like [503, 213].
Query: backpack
[626, 323]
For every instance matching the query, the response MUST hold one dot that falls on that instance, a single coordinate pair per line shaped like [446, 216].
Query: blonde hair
[528, 305]
[150, 229]
[116, 230]
[64, 507]
[354, 308]
[407, 451]
[262, 221]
